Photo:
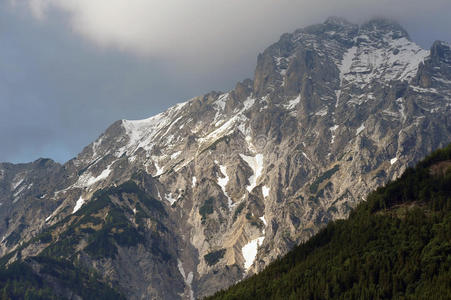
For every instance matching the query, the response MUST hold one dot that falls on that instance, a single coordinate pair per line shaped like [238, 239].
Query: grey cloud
[195, 32]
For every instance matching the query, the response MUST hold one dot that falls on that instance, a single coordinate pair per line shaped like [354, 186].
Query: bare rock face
[334, 111]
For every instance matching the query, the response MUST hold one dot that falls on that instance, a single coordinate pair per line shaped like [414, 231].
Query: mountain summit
[196, 198]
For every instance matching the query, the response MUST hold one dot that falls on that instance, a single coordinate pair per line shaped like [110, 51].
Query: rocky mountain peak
[338, 21]
[435, 71]
[217, 187]
[379, 49]
[441, 52]
[385, 26]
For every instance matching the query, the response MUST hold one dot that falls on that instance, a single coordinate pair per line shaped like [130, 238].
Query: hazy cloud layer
[180, 29]
[69, 68]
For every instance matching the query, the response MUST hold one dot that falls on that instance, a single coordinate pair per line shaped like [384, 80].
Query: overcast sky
[70, 68]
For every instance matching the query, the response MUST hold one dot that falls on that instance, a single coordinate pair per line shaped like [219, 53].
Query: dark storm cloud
[69, 68]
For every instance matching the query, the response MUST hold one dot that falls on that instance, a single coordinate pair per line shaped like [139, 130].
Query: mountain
[192, 200]
[396, 245]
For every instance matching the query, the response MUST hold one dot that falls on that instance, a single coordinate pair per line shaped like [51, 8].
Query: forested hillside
[397, 245]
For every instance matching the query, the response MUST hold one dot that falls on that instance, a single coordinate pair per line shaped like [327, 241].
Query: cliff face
[401, 225]
[334, 111]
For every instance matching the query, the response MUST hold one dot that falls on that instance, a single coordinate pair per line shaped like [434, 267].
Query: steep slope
[334, 111]
[44, 278]
[395, 245]
[24, 193]
[119, 234]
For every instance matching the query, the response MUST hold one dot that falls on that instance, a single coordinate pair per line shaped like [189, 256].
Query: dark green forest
[396, 245]
[55, 279]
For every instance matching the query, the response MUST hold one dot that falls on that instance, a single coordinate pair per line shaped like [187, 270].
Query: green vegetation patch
[20, 281]
[325, 176]
[130, 187]
[206, 209]
[15, 237]
[238, 210]
[45, 237]
[212, 258]
[116, 228]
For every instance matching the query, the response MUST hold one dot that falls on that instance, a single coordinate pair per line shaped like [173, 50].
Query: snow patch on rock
[188, 279]
[220, 104]
[265, 191]
[175, 154]
[344, 68]
[78, 205]
[159, 170]
[360, 129]
[398, 60]
[333, 129]
[143, 133]
[305, 155]
[250, 252]
[170, 198]
[223, 183]
[87, 179]
[322, 112]
[237, 121]
[256, 164]
[292, 103]
[16, 183]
